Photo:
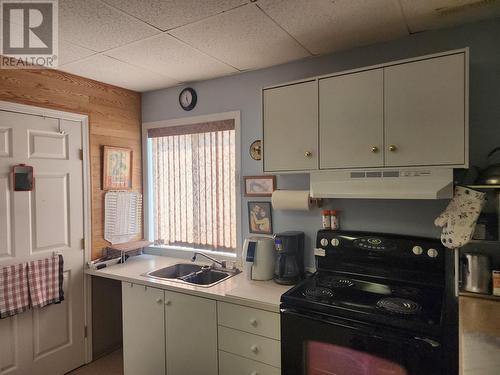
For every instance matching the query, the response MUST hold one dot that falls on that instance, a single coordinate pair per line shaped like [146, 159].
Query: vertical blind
[194, 186]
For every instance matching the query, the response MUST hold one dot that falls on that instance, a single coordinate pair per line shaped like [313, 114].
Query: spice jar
[325, 219]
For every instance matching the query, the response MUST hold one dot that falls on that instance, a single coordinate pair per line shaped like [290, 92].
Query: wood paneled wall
[114, 119]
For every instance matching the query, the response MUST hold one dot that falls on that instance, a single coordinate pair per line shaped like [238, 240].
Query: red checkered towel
[46, 281]
[14, 292]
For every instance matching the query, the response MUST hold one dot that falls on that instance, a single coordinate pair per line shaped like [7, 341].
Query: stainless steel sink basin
[175, 271]
[192, 274]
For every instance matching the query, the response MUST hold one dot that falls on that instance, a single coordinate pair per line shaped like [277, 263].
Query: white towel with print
[459, 218]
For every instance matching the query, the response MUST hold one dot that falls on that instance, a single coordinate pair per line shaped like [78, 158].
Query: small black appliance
[289, 267]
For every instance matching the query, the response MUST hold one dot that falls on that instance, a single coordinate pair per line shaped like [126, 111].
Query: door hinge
[81, 154]
[83, 243]
[85, 332]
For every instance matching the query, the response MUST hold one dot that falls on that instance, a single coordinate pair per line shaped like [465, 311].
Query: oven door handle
[349, 324]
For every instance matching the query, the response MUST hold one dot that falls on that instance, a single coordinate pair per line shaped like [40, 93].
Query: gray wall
[242, 92]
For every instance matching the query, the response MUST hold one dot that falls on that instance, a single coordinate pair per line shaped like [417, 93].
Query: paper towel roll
[291, 200]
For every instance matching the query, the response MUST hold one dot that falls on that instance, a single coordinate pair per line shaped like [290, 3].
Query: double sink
[193, 274]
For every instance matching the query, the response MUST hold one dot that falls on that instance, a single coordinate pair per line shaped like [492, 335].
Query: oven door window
[328, 359]
[318, 344]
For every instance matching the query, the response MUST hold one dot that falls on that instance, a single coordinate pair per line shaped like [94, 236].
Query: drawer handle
[393, 148]
[159, 300]
[254, 373]
[254, 349]
[374, 149]
[253, 322]
[308, 154]
[168, 302]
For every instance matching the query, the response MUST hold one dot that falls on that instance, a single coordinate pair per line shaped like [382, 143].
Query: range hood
[408, 183]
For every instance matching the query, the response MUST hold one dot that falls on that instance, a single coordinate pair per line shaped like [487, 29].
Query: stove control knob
[335, 242]
[323, 242]
[432, 253]
[417, 250]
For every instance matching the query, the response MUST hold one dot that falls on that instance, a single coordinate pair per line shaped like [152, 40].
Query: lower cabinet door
[143, 333]
[230, 364]
[191, 335]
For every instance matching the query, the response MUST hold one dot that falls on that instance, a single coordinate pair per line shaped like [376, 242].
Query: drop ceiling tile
[430, 14]
[243, 37]
[169, 14]
[324, 26]
[69, 52]
[106, 69]
[99, 27]
[166, 55]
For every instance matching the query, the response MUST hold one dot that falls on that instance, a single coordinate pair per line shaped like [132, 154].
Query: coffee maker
[289, 267]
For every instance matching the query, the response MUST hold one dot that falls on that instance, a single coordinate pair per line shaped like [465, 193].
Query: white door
[425, 112]
[34, 225]
[291, 127]
[351, 120]
[143, 332]
[190, 335]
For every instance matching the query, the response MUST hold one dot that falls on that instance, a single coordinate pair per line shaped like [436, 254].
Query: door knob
[168, 302]
[392, 148]
[254, 373]
[254, 349]
[253, 322]
[308, 154]
[159, 300]
[374, 149]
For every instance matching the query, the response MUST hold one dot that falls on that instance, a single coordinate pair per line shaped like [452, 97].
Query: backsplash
[242, 92]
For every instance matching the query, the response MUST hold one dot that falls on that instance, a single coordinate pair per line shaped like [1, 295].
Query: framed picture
[260, 217]
[259, 186]
[117, 172]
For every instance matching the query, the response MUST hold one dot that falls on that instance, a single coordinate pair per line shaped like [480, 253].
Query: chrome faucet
[222, 263]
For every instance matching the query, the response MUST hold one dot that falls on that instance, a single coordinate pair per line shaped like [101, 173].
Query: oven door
[317, 344]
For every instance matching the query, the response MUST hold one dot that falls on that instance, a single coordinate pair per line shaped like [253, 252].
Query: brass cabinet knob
[308, 154]
[392, 148]
[374, 149]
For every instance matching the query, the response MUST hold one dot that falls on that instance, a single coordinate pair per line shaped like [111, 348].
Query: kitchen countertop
[237, 289]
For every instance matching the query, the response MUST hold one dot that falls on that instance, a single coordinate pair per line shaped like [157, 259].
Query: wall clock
[188, 99]
[256, 150]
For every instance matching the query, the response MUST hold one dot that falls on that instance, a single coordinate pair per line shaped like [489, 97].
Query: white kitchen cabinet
[143, 330]
[425, 112]
[351, 120]
[400, 114]
[168, 333]
[247, 319]
[231, 364]
[291, 127]
[249, 340]
[191, 335]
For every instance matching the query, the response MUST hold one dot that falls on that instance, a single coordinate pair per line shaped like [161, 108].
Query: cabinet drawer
[250, 346]
[250, 320]
[230, 364]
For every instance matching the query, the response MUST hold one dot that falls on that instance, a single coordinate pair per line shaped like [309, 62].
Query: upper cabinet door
[291, 127]
[425, 111]
[351, 120]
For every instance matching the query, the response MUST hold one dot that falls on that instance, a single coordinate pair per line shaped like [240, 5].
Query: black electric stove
[375, 297]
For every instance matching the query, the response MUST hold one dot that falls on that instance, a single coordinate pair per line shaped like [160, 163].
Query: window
[193, 192]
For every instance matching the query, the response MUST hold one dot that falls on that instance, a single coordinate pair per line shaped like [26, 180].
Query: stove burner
[317, 292]
[399, 305]
[331, 282]
[342, 283]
